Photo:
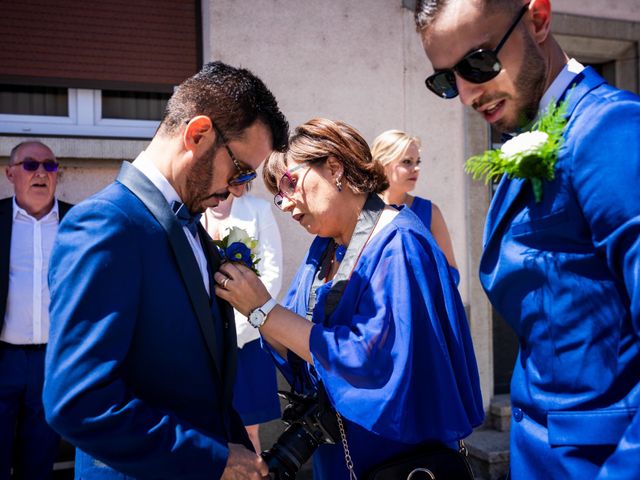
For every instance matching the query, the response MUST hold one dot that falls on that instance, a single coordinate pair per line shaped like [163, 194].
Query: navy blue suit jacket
[565, 274]
[134, 374]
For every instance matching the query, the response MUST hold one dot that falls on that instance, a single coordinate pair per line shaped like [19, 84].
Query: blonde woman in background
[255, 392]
[399, 154]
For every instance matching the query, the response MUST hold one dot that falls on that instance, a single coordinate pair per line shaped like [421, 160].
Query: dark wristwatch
[258, 316]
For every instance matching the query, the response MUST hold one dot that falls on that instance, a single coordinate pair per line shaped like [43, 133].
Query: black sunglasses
[478, 66]
[30, 165]
[244, 175]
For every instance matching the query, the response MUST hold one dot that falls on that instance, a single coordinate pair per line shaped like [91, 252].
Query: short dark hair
[427, 10]
[320, 138]
[14, 151]
[233, 97]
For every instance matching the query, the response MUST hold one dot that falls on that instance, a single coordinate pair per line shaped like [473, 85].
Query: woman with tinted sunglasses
[372, 312]
[399, 154]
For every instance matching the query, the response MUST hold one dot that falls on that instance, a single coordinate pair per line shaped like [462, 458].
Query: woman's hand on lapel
[241, 287]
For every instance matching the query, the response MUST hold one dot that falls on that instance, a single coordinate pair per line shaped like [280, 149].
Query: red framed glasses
[287, 184]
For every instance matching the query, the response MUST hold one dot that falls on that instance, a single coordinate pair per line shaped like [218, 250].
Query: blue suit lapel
[582, 84]
[506, 193]
[155, 202]
[509, 189]
[225, 311]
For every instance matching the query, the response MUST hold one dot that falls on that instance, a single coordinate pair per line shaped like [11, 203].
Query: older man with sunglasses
[28, 225]
[565, 271]
[141, 361]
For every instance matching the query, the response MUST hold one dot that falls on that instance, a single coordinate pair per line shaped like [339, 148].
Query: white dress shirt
[149, 170]
[255, 216]
[26, 320]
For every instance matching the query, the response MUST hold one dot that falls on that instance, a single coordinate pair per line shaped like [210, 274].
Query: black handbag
[429, 462]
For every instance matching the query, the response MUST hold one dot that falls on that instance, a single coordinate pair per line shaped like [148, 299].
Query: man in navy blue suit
[141, 358]
[28, 225]
[565, 271]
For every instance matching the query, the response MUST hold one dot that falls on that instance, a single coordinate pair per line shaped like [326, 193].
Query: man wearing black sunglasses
[141, 361]
[28, 225]
[563, 272]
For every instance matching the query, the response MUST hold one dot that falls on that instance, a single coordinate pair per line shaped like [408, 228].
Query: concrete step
[488, 453]
[499, 417]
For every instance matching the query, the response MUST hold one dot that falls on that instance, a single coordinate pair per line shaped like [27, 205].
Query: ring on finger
[225, 281]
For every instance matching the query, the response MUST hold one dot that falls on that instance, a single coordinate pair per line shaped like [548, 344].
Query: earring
[338, 184]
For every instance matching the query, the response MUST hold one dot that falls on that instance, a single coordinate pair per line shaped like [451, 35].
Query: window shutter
[145, 45]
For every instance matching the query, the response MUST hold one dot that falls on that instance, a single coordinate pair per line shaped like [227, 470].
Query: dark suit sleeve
[95, 281]
[606, 173]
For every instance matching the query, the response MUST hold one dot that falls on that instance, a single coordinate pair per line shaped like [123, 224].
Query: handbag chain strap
[462, 448]
[345, 447]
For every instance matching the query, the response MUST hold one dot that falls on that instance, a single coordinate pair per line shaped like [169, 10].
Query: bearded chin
[199, 181]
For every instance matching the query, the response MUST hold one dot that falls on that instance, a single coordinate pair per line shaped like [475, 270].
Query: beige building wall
[87, 165]
[612, 9]
[360, 62]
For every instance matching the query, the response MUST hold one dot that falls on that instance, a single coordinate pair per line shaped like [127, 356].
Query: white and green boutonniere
[237, 246]
[531, 155]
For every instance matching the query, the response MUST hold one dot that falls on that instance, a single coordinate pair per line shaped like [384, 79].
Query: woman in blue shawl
[373, 313]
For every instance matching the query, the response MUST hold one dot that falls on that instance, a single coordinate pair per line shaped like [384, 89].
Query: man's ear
[197, 130]
[540, 11]
[9, 173]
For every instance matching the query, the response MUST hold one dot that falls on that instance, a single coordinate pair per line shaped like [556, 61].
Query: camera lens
[294, 447]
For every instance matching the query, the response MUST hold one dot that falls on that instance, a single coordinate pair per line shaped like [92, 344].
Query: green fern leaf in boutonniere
[531, 155]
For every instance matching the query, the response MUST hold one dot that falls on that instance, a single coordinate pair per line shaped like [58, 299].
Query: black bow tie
[505, 137]
[185, 217]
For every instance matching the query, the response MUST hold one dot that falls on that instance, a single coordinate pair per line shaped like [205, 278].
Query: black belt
[28, 346]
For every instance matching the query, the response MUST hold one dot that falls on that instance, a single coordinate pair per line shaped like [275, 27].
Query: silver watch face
[256, 317]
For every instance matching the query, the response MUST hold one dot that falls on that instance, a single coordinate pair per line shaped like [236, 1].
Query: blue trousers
[27, 443]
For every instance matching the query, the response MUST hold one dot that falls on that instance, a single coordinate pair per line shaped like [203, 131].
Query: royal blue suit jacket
[565, 274]
[135, 376]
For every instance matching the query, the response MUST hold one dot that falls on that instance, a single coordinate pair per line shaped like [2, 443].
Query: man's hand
[244, 464]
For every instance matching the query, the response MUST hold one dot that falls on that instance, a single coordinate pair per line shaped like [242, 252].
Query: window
[105, 69]
[80, 112]
[21, 100]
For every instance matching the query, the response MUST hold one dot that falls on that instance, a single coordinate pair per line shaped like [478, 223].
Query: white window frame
[84, 120]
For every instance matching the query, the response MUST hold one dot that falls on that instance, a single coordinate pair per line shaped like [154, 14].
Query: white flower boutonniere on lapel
[238, 246]
[531, 155]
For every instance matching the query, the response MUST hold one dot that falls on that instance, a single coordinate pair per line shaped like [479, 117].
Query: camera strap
[367, 221]
[365, 225]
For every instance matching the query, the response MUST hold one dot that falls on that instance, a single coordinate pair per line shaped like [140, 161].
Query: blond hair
[390, 145]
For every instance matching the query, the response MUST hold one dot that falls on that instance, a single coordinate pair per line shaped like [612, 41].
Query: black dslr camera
[311, 422]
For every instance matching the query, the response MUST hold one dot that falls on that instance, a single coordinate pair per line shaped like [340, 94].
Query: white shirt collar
[560, 84]
[53, 213]
[149, 170]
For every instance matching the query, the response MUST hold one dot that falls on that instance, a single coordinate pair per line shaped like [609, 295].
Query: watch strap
[264, 310]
